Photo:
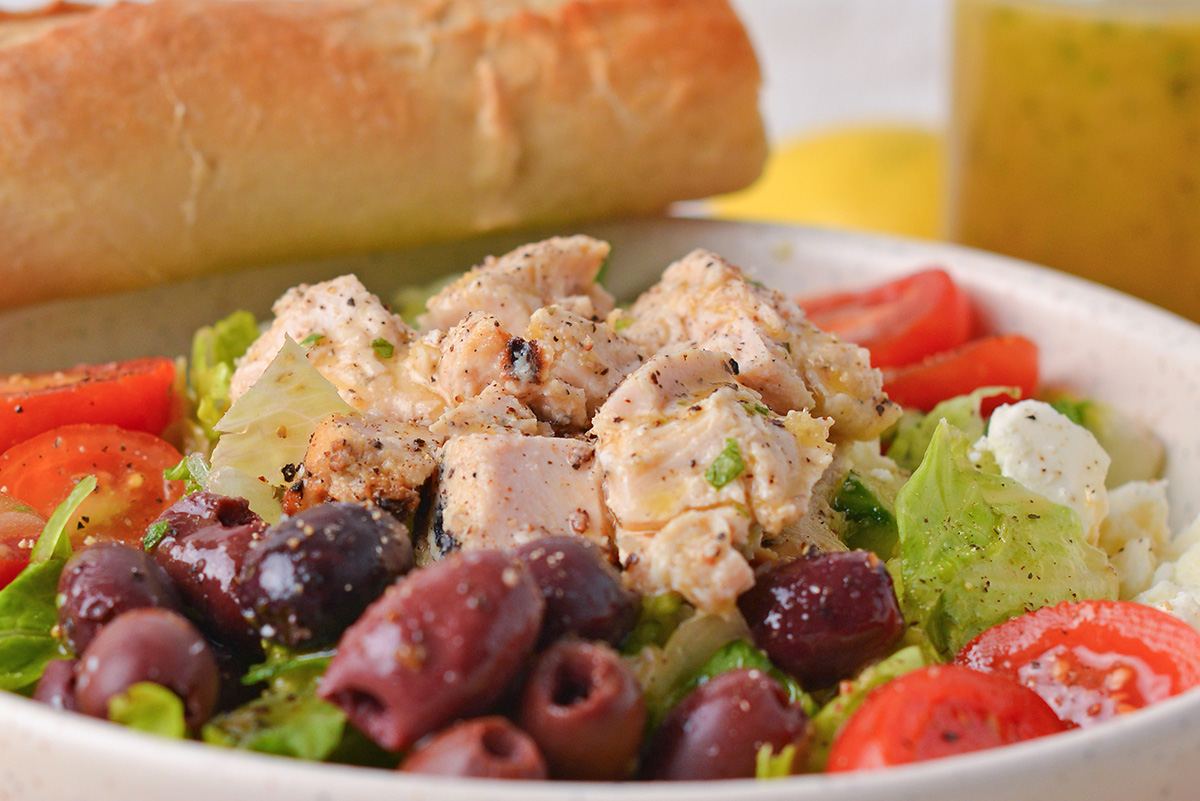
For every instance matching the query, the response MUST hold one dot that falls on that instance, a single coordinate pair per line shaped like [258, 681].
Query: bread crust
[143, 143]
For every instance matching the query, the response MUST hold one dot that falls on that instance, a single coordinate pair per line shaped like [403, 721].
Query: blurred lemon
[884, 178]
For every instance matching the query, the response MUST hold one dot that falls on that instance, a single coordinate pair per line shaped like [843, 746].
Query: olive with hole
[583, 706]
[483, 748]
[205, 544]
[443, 643]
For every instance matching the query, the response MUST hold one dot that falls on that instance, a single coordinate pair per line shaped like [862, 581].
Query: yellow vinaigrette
[884, 178]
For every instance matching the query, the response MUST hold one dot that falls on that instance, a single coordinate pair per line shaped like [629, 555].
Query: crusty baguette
[142, 143]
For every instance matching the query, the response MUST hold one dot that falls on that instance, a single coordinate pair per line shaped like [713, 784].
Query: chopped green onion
[383, 348]
[727, 466]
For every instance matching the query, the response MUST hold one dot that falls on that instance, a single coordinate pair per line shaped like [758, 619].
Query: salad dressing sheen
[1076, 139]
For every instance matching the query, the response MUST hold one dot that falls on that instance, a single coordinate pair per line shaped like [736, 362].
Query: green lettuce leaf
[27, 605]
[658, 617]
[829, 719]
[288, 719]
[151, 708]
[770, 765]
[914, 431]
[214, 350]
[978, 548]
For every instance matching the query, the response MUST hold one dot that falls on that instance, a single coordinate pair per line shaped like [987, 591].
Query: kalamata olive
[483, 748]
[716, 731]
[154, 645]
[583, 707]
[56, 687]
[444, 642]
[206, 542]
[312, 575]
[584, 594]
[104, 580]
[824, 615]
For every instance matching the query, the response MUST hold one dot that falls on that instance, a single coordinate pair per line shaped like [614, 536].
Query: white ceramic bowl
[1093, 340]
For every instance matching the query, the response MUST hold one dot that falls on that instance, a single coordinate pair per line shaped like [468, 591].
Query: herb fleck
[383, 348]
[727, 466]
[154, 534]
[312, 339]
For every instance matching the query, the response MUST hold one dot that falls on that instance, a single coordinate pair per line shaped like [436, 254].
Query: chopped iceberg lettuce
[833, 714]
[151, 708]
[268, 429]
[771, 765]
[978, 548]
[214, 350]
[912, 433]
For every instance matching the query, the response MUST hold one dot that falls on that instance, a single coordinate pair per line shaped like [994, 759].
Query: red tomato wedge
[134, 395]
[899, 322]
[1092, 660]
[939, 711]
[128, 465]
[20, 526]
[997, 361]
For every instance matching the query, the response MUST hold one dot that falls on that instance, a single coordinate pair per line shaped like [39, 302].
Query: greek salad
[517, 530]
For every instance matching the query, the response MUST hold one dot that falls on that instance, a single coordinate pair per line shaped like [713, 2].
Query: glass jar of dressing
[1075, 139]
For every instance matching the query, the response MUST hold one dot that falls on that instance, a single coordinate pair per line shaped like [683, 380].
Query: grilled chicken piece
[563, 369]
[512, 287]
[492, 410]
[584, 354]
[705, 302]
[670, 439]
[504, 489]
[364, 458]
[698, 554]
[353, 340]
[680, 438]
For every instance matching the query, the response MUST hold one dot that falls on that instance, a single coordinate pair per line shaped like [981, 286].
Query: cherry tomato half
[128, 465]
[939, 711]
[135, 395]
[20, 526]
[1092, 660]
[899, 322]
[997, 361]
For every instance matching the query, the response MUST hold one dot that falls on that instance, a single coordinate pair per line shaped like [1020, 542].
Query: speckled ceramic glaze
[1093, 340]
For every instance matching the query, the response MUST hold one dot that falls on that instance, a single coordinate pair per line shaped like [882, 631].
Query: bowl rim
[116, 743]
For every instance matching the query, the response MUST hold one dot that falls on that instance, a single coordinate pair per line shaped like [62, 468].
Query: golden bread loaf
[144, 143]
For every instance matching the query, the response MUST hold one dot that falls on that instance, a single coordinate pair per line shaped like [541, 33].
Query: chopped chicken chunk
[584, 354]
[664, 434]
[681, 437]
[697, 554]
[503, 489]
[364, 458]
[512, 287]
[563, 369]
[705, 302]
[490, 411]
[352, 339]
